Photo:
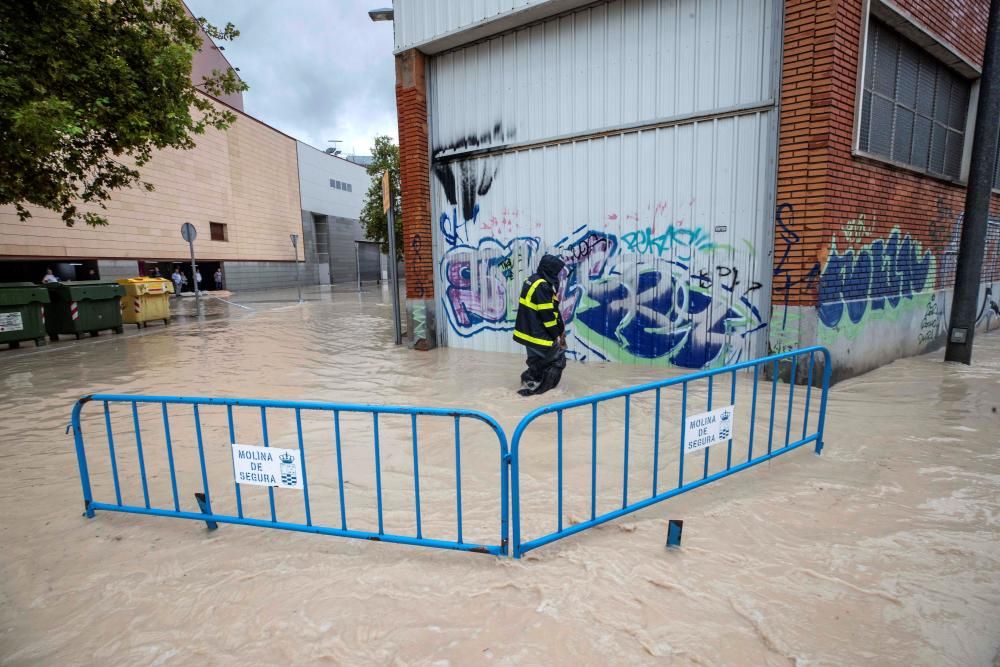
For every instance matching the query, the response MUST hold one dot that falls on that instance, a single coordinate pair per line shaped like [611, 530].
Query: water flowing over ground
[883, 550]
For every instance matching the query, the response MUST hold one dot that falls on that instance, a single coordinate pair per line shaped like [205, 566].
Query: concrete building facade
[723, 178]
[246, 191]
[332, 193]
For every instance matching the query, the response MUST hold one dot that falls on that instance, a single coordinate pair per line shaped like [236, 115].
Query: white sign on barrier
[708, 428]
[267, 466]
[11, 322]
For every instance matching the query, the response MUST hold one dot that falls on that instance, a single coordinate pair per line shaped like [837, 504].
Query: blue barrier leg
[674, 529]
[753, 412]
[81, 459]
[378, 475]
[232, 440]
[267, 443]
[593, 462]
[416, 474]
[111, 451]
[302, 460]
[559, 473]
[729, 445]
[340, 469]
[791, 401]
[704, 473]
[809, 382]
[684, 416]
[625, 462]
[206, 498]
[774, 398]
[458, 478]
[138, 447]
[203, 506]
[170, 459]
[827, 373]
[656, 441]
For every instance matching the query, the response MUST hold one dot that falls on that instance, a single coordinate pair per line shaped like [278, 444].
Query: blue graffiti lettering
[885, 271]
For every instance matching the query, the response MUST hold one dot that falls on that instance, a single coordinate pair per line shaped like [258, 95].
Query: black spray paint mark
[469, 185]
[474, 141]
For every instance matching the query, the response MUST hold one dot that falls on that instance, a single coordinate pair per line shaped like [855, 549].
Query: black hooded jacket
[539, 324]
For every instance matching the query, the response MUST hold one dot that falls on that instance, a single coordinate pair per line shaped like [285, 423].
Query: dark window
[218, 231]
[348, 187]
[913, 107]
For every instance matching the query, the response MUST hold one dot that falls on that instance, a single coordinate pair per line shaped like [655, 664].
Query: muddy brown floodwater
[883, 550]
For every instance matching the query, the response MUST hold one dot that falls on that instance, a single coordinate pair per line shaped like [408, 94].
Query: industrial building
[723, 178]
[246, 191]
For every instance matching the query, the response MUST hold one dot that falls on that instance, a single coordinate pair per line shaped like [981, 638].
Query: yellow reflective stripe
[534, 286]
[552, 323]
[531, 339]
[536, 306]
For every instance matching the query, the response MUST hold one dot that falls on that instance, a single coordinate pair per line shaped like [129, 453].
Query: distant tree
[89, 89]
[385, 156]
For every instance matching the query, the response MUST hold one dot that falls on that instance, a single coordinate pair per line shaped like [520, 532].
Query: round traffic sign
[188, 232]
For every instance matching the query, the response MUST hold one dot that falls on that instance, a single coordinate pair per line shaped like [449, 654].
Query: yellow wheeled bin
[146, 300]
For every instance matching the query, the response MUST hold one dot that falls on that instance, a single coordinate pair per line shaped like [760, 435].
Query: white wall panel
[635, 139]
[418, 21]
[620, 63]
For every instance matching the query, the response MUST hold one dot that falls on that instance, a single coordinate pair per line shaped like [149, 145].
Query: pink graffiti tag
[487, 303]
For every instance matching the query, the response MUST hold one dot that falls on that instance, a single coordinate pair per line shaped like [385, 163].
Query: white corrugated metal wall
[635, 139]
[418, 21]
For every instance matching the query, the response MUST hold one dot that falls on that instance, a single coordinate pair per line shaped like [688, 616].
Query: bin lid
[144, 285]
[79, 290]
[19, 294]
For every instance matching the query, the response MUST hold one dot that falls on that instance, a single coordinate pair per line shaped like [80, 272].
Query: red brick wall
[822, 187]
[962, 23]
[414, 165]
[803, 137]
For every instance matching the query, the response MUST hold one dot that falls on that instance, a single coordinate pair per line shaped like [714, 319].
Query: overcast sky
[317, 69]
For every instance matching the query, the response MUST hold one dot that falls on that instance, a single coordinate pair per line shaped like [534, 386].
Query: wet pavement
[884, 550]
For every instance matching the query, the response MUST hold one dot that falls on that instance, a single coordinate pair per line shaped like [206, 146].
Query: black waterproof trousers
[544, 370]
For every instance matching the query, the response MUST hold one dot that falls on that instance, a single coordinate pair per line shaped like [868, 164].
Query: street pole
[194, 274]
[357, 261]
[972, 246]
[295, 250]
[189, 233]
[393, 283]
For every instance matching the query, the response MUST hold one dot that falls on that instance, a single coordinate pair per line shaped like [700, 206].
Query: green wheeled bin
[84, 306]
[22, 313]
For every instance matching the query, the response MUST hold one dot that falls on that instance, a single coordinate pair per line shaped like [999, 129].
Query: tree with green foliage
[385, 156]
[89, 89]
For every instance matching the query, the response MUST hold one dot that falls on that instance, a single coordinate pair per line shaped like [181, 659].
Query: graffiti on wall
[875, 277]
[618, 303]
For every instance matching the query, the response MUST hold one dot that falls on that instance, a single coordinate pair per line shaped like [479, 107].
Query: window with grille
[913, 108]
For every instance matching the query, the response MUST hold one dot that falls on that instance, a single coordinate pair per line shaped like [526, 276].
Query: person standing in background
[49, 277]
[218, 278]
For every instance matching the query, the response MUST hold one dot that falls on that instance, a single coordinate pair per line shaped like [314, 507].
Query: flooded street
[883, 550]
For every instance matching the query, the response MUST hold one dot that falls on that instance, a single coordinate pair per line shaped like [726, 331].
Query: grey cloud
[317, 69]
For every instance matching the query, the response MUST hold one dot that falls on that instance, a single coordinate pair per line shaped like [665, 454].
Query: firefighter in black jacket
[540, 328]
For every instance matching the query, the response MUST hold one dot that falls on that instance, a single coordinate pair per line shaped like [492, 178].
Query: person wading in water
[539, 327]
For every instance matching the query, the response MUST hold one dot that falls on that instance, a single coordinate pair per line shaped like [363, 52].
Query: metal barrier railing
[710, 427]
[260, 465]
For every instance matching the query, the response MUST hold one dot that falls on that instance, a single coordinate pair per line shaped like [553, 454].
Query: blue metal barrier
[204, 497]
[794, 373]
